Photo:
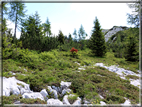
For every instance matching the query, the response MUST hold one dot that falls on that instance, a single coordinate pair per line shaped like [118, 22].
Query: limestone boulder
[54, 102]
[33, 95]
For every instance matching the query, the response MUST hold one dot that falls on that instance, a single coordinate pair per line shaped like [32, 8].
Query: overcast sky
[69, 16]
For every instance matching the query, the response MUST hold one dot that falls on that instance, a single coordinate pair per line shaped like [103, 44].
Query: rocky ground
[13, 86]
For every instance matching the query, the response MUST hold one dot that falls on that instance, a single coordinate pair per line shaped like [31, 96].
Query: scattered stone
[54, 102]
[44, 94]
[78, 63]
[25, 69]
[17, 102]
[77, 102]
[81, 68]
[65, 84]
[64, 91]
[53, 91]
[101, 96]
[127, 102]
[102, 103]
[86, 102]
[65, 100]
[121, 72]
[10, 86]
[33, 95]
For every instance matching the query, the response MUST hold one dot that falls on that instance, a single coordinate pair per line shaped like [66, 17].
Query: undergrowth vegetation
[50, 68]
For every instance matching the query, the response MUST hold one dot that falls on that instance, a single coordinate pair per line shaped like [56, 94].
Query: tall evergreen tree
[81, 33]
[16, 14]
[98, 45]
[61, 37]
[131, 51]
[47, 28]
[32, 32]
[75, 34]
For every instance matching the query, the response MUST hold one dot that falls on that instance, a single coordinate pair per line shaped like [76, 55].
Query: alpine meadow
[42, 67]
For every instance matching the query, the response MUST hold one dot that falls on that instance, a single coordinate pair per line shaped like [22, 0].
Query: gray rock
[64, 91]
[53, 91]
[33, 95]
[17, 102]
[102, 103]
[44, 94]
[54, 102]
[86, 102]
[77, 102]
[65, 84]
[65, 100]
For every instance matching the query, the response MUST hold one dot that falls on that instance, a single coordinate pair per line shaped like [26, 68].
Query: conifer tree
[98, 45]
[75, 34]
[131, 51]
[61, 37]
[16, 14]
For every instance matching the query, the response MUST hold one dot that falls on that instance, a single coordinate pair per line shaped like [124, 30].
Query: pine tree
[98, 45]
[75, 34]
[47, 28]
[131, 51]
[61, 37]
[81, 33]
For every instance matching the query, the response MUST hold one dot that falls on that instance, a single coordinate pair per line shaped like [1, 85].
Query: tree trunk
[15, 25]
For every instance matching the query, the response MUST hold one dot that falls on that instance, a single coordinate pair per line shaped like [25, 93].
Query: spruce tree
[131, 51]
[97, 44]
[61, 37]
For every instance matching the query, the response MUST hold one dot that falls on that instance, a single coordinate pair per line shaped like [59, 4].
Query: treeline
[38, 36]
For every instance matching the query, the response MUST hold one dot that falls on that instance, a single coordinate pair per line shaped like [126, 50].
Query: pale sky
[69, 16]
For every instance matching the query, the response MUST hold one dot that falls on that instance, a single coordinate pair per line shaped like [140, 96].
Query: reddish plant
[74, 50]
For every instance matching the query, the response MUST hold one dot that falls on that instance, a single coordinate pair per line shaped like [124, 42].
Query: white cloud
[12, 26]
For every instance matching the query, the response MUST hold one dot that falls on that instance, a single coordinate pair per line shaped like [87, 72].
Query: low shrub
[32, 101]
[72, 98]
[78, 86]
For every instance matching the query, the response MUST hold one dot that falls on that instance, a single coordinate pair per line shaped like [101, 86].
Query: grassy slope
[58, 66]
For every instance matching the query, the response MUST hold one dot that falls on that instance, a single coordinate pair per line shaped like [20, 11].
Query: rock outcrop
[113, 31]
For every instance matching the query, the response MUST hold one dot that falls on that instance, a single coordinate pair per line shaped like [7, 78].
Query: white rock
[11, 85]
[78, 63]
[44, 94]
[77, 102]
[81, 68]
[33, 95]
[25, 69]
[65, 84]
[86, 102]
[53, 91]
[15, 91]
[135, 83]
[65, 100]
[99, 64]
[102, 103]
[64, 91]
[54, 102]
[127, 102]
[101, 96]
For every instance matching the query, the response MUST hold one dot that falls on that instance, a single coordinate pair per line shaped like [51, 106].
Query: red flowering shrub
[73, 50]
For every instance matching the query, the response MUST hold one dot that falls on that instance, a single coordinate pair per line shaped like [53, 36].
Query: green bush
[115, 98]
[11, 99]
[78, 86]
[72, 98]
[32, 101]
[46, 56]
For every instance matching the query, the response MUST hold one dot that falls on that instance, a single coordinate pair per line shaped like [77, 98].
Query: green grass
[56, 66]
